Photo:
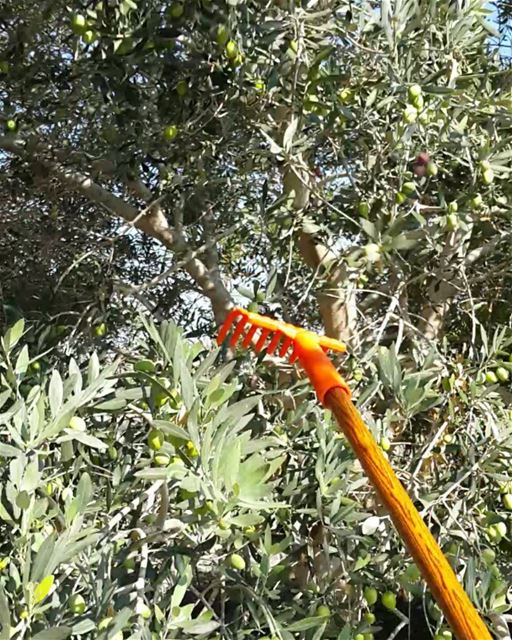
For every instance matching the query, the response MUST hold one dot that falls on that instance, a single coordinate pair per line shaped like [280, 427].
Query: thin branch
[129, 289]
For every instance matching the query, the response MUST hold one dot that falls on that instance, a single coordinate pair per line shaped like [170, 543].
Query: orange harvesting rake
[334, 393]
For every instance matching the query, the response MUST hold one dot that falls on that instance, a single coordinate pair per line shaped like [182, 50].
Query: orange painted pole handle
[464, 619]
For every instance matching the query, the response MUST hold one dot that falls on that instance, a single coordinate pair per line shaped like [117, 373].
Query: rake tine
[273, 343]
[224, 330]
[285, 346]
[294, 355]
[261, 341]
[249, 336]
[238, 331]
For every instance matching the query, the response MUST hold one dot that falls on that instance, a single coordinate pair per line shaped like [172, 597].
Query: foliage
[147, 536]
[344, 166]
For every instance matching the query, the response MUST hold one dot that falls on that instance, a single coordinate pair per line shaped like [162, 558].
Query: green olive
[323, 611]
[155, 439]
[237, 562]
[476, 201]
[231, 49]
[146, 366]
[370, 595]
[76, 604]
[162, 459]
[488, 176]
[104, 623]
[100, 330]
[490, 377]
[432, 169]
[363, 209]
[410, 114]
[488, 556]
[89, 36]
[170, 132]
[182, 88]
[502, 374]
[222, 35]
[78, 23]
[176, 10]
[452, 222]
[385, 443]
[77, 423]
[388, 600]
[414, 91]
[507, 501]
[409, 188]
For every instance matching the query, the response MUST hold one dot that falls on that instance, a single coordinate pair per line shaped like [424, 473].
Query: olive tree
[341, 165]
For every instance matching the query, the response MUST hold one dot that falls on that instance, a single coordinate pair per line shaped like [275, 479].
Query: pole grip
[458, 609]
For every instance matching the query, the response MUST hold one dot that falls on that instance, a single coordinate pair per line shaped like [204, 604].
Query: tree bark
[447, 280]
[336, 303]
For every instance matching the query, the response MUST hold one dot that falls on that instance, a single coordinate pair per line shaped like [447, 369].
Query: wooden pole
[442, 581]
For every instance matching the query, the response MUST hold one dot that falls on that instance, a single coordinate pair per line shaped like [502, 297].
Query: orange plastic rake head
[305, 346]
